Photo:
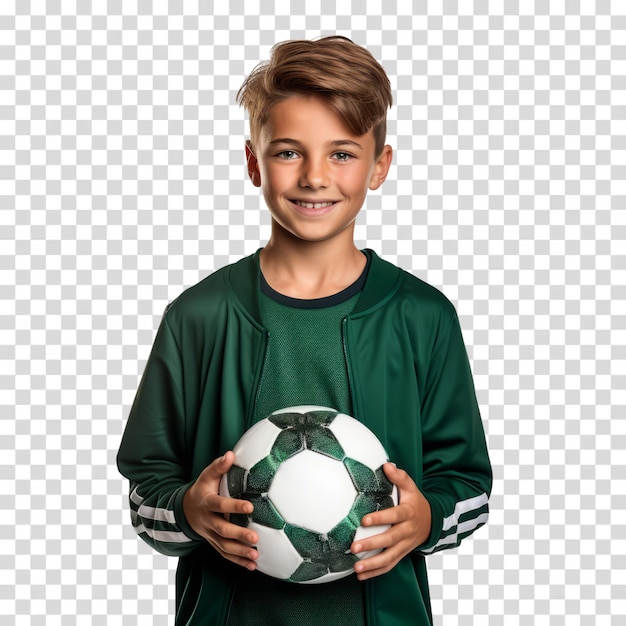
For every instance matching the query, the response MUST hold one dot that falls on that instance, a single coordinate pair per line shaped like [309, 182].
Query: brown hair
[334, 68]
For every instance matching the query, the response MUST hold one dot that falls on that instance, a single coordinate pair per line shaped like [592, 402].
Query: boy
[308, 319]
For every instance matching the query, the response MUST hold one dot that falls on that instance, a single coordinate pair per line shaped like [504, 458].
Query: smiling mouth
[312, 205]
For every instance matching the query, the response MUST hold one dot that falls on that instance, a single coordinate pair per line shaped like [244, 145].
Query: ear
[381, 168]
[253, 165]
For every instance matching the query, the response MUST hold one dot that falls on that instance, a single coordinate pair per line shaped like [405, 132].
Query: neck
[311, 269]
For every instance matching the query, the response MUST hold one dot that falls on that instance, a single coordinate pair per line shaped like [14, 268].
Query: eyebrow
[337, 143]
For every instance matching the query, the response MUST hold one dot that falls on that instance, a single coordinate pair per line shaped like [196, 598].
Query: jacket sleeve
[152, 452]
[457, 475]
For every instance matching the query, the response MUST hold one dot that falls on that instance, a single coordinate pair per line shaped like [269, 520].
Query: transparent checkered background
[122, 182]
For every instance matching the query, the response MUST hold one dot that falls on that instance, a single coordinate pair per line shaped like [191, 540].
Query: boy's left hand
[410, 527]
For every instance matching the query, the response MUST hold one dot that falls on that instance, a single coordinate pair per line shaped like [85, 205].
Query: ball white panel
[312, 491]
[255, 444]
[277, 556]
[358, 441]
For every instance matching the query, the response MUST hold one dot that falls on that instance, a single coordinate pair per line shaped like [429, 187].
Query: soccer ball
[312, 474]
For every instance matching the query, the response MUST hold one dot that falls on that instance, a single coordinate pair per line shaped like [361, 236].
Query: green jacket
[410, 383]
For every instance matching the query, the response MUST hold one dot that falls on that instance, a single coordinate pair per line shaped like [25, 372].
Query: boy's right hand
[205, 511]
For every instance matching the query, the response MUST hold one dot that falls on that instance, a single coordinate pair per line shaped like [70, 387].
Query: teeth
[313, 205]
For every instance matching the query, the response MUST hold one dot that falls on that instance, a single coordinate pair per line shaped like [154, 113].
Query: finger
[227, 506]
[233, 542]
[208, 482]
[397, 476]
[235, 552]
[247, 563]
[219, 527]
[362, 576]
[375, 542]
[220, 466]
[378, 564]
[392, 515]
[232, 547]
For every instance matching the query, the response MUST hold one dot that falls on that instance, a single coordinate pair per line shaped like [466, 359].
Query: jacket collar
[382, 280]
[245, 276]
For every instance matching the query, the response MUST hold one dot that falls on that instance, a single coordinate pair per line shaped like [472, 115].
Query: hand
[410, 527]
[205, 511]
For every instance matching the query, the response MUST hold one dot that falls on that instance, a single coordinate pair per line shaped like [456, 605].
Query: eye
[342, 156]
[287, 155]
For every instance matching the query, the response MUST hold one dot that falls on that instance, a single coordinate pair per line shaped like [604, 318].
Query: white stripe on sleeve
[462, 507]
[163, 535]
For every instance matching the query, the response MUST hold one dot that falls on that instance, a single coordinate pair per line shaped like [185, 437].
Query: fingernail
[357, 548]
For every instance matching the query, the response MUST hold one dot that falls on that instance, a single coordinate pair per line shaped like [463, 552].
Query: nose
[314, 173]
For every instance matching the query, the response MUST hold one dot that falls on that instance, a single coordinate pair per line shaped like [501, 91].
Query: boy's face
[313, 171]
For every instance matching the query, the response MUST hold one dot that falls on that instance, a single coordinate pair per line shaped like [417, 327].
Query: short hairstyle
[342, 73]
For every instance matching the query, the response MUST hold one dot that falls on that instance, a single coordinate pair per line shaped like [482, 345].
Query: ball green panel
[309, 545]
[260, 476]
[309, 571]
[286, 420]
[240, 519]
[322, 440]
[321, 418]
[288, 443]
[368, 503]
[302, 421]
[341, 562]
[265, 513]
[361, 507]
[341, 536]
[235, 481]
[362, 476]
[386, 486]
[322, 554]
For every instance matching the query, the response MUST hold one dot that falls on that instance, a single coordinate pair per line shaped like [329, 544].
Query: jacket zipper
[368, 592]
